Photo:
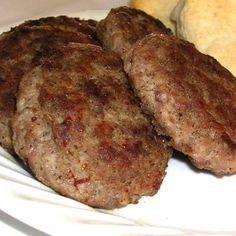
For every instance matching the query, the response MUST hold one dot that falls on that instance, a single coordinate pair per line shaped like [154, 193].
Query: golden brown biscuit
[224, 49]
[160, 9]
[210, 25]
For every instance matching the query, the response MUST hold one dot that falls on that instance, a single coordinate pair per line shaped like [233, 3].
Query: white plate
[188, 203]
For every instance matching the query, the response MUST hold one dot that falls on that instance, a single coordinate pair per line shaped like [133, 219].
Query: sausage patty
[191, 96]
[80, 130]
[20, 50]
[71, 24]
[123, 26]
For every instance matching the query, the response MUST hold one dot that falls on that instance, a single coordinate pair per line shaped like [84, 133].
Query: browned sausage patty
[123, 26]
[80, 130]
[191, 96]
[71, 24]
[20, 50]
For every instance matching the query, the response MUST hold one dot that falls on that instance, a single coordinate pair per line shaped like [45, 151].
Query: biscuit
[224, 50]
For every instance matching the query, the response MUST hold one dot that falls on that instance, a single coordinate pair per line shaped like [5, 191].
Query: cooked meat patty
[21, 49]
[123, 26]
[191, 96]
[72, 24]
[160, 9]
[80, 130]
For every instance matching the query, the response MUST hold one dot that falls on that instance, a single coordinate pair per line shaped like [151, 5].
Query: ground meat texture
[80, 130]
[123, 26]
[191, 97]
[72, 24]
[20, 50]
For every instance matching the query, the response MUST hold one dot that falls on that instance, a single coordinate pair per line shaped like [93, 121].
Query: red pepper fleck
[33, 119]
[76, 181]
[81, 181]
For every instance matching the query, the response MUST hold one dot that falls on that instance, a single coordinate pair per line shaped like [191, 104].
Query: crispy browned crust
[80, 130]
[66, 23]
[20, 50]
[191, 96]
[123, 26]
